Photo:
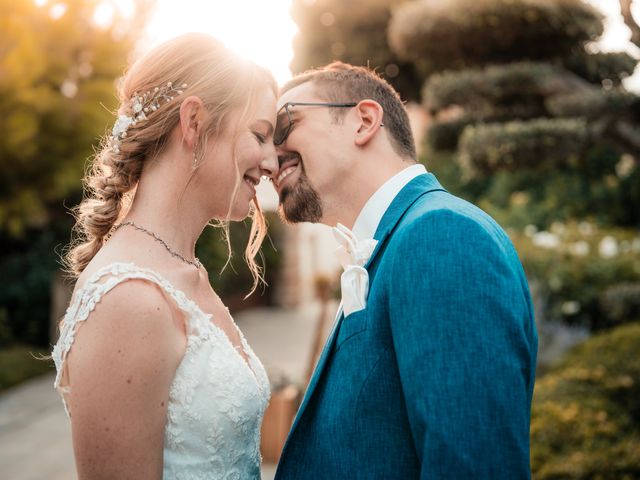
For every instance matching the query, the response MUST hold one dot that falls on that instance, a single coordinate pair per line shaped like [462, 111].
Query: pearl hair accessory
[141, 106]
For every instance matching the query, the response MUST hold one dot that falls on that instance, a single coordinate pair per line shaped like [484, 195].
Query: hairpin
[141, 106]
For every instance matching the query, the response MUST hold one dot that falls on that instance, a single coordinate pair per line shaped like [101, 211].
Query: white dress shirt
[369, 218]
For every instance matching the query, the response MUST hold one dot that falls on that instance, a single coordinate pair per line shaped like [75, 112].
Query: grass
[20, 362]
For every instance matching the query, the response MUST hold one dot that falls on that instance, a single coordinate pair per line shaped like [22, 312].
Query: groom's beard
[300, 203]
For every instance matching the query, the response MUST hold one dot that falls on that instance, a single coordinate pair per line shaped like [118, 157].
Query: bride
[156, 378]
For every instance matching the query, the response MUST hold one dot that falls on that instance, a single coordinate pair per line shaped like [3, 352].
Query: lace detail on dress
[216, 399]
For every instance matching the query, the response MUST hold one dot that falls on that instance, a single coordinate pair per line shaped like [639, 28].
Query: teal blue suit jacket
[434, 378]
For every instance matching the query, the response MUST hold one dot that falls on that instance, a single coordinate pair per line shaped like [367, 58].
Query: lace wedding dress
[216, 400]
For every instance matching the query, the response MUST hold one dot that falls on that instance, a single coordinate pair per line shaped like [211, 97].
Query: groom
[429, 370]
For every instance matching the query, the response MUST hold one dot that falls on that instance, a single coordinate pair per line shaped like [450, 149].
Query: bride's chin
[240, 212]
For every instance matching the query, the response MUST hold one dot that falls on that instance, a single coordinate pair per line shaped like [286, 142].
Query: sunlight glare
[103, 15]
[616, 36]
[58, 10]
[255, 29]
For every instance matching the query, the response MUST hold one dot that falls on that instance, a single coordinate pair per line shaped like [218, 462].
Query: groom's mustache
[285, 158]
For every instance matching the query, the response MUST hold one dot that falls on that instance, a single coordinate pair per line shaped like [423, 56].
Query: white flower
[570, 308]
[585, 228]
[530, 230]
[121, 125]
[579, 249]
[555, 284]
[546, 240]
[625, 166]
[608, 247]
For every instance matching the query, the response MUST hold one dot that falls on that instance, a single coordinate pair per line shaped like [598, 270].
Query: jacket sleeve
[463, 333]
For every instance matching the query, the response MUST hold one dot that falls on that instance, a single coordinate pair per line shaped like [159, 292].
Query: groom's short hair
[341, 82]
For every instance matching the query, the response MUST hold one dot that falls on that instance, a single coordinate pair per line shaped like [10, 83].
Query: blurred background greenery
[524, 117]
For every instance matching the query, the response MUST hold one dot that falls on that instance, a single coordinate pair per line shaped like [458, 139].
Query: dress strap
[96, 287]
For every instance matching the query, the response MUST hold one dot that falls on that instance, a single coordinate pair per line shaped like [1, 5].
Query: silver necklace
[196, 263]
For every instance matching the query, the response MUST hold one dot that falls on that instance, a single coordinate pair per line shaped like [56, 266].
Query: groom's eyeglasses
[282, 131]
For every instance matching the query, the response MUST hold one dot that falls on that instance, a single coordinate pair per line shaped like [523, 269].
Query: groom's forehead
[305, 92]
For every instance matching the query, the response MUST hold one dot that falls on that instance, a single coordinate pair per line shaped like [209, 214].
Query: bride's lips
[288, 170]
[251, 181]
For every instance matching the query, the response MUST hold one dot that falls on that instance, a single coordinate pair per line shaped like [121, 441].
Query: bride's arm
[120, 369]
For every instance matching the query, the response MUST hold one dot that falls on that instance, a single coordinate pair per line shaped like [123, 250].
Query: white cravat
[358, 245]
[354, 281]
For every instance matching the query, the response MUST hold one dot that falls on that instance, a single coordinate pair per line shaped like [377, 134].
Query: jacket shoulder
[447, 212]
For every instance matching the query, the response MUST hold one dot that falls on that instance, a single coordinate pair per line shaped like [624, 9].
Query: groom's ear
[369, 119]
[191, 119]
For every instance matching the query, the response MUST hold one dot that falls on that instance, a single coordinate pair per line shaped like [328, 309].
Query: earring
[195, 156]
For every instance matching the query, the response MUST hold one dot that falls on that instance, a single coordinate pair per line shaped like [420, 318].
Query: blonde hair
[224, 83]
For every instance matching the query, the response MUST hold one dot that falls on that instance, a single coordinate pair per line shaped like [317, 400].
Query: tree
[352, 31]
[58, 69]
[554, 74]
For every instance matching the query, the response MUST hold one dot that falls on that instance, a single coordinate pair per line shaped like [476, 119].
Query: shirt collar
[367, 222]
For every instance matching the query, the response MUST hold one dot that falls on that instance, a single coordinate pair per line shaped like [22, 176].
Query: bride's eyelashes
[260, 137]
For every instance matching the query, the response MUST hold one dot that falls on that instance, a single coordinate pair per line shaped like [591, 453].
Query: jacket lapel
[415, 189]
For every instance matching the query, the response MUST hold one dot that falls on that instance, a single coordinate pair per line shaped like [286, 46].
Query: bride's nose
[269, 165]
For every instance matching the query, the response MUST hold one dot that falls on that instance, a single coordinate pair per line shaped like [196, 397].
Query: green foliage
[601, 186]
[591, 104]
[56, 93]
[521, 90]
[586, 411]
[483, 90]
[512, 146]
[509, 108]
[234, 281]
[576, 264]
[57, 78]
[19, 363]
[443, 164]
[601, 67]
[353, 32]
[621, 302]
[25, 298]
[462, 33]
[6, 335]
[444, 135]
